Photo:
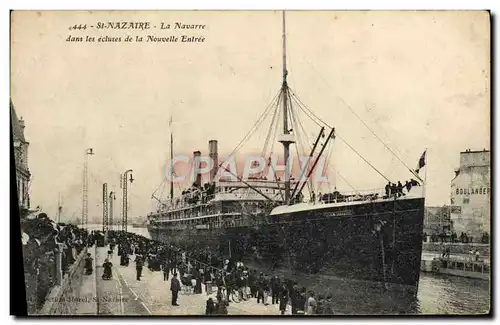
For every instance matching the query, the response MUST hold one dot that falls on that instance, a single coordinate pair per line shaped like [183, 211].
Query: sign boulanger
[473, 190]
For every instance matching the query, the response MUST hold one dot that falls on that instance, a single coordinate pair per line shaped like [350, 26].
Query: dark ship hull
[379, 241]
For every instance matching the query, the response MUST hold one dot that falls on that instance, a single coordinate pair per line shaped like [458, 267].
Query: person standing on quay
[283, 297]
[166, 269]
[88, 264]
[175, 287]
[311, 304]
[138, 267]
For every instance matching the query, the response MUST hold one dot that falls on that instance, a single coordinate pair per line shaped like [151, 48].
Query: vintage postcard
[307, 163]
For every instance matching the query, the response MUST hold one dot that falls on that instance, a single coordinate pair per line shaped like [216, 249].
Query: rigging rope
[272, 149]
[253, 129]
[276, 112]
[302, 106]
[268, 135]
[309, 185]
[327, 164]
[364, 123]
[347, 144]
[376, 136]
[345, 180]
[299, 141]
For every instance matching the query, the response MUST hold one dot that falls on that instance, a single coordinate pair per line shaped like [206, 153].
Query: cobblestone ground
[152, 296]
[88, 304]
[114, 295]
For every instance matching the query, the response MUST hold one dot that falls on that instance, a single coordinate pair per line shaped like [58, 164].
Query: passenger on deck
[394, 189]
[400, 189]
[388, 189]
[408, 186]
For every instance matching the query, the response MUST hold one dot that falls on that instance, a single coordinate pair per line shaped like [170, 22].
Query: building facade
[470, 195]
[437, 220]
[23, 174]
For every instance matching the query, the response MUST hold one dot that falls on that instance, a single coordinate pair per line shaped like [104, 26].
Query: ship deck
[415, 193]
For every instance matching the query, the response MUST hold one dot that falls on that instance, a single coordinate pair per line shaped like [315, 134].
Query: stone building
[437, 220]
[23, 174]
[470, 195]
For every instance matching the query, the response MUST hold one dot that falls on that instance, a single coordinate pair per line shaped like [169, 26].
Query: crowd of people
[397, 189]
[391, 190]
[42, 240]
[200, 268]
[454, 238]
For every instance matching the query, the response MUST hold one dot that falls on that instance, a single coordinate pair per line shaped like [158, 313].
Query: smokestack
[214, 155]
[196, 167]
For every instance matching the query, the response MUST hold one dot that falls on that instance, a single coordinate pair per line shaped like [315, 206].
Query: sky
[419, 80]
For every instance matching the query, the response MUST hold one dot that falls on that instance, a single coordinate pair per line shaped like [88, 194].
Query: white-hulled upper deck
[229, 191]
[350, 199]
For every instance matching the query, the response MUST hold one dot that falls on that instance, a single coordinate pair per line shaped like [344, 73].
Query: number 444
[79, 27]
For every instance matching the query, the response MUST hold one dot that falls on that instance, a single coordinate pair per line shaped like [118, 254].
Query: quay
[462, 265]
[123, 295]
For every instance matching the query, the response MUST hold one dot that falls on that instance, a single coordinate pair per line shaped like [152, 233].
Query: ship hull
[375, 242]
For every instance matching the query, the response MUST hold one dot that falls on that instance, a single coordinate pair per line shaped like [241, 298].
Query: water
[437, 294]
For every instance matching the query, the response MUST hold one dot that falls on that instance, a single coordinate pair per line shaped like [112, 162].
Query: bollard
[59, 271]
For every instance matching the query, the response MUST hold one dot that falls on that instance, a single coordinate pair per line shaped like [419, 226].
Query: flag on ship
[421, 161]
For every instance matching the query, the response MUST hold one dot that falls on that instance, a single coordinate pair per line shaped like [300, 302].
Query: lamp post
[112, 197]
[125, 199]
[85, 207]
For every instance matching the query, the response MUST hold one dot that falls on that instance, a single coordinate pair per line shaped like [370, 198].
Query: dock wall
[457, 248]
[64, 298]
[465, 274]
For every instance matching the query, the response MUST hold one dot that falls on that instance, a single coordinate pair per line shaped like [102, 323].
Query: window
[466, 200]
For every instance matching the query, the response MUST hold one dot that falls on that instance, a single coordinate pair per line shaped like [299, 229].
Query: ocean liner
[367, 235]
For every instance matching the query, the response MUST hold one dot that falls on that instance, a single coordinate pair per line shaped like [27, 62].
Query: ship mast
[286, 139]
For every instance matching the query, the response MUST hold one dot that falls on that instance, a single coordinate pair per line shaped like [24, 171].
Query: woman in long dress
[197, 287]
[107, 270]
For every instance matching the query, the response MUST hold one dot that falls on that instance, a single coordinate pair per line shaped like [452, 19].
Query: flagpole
[426, 167]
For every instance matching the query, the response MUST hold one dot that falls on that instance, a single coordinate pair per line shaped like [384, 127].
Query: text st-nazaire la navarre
[163, 26]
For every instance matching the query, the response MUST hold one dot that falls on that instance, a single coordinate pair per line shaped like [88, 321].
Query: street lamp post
[85, 207]
[125, 199]
[112, 197]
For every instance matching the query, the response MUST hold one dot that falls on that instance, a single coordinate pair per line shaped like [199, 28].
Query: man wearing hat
[138, 266]
[175, 287]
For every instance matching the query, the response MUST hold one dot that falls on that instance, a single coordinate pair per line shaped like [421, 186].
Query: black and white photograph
[286, 163]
